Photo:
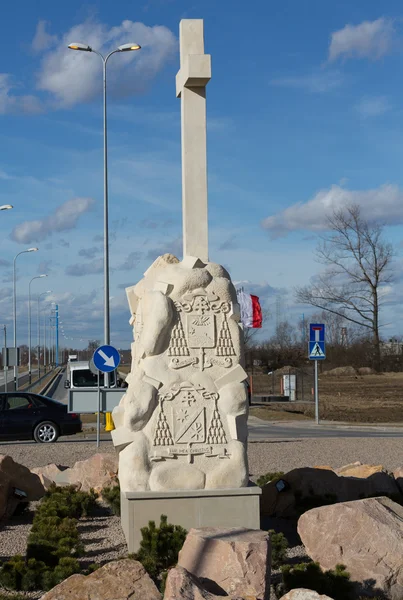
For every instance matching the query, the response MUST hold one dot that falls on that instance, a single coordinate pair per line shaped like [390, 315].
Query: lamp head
[129, 47]
[42, 276]
[79, 46]
[32, 250]
[6, 206]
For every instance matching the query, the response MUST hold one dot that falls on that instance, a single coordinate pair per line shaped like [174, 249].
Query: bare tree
[357, 262]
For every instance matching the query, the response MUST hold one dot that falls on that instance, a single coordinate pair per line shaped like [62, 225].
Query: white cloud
[384, 204]
[42, 40]
[73, 77]
[369, 39]
[372, 106]
[81, 269]
[11, 103]
[64, 218]
[318, 82]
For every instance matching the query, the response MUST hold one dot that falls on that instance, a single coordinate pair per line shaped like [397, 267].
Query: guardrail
[38, 381]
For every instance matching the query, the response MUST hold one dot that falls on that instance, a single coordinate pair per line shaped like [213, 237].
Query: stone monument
[181, 428]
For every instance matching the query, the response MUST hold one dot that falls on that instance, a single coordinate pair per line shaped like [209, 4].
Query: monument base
[189, 508]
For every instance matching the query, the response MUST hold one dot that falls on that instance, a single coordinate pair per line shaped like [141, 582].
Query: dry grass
[355, 399]
[271, 413]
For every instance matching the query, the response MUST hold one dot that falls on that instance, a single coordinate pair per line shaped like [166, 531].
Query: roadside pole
[316, 351]
[99, 410]
[316, 394]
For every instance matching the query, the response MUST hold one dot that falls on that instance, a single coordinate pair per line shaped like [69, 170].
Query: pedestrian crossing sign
[317, 350]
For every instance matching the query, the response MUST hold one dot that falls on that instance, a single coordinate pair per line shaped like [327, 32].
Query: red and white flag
[251, 312]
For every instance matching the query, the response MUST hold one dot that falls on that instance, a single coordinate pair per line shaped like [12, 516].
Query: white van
[79, 376]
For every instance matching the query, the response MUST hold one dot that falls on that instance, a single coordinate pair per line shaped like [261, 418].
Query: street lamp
[29, 326]
[123, 48]
[39, 333]
[15, 313]
[6, 207]
[44, 335]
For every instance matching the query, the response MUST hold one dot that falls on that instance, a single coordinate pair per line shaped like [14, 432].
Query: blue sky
[304, 114]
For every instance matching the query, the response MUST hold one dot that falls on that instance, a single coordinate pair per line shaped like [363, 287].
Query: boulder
[359, 470]
[366, 536]
[14, 475]
[97, 472]
[307, 482]
[234, 561]
[118, 580]
[47, 474]
[398, 475]
[303, 594]
[182, 585]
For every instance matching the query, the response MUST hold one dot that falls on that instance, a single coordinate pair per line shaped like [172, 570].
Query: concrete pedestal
[199, 508]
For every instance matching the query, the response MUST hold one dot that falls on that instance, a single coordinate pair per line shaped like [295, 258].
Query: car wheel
[46, 433]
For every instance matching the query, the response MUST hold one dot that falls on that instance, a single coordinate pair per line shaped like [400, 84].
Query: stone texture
[359, 470]
[366, 536]
[182, 423]
[14, 475]
[307, 482]
[47, 474]
[398, 475]
[96, 472]
[182, 585]
[117, 580]
[235, 561]
[303, 594]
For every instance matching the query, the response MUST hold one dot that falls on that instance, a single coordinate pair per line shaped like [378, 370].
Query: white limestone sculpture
[182, 425]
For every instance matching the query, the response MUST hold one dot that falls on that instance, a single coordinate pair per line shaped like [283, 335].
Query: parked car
[27, 416]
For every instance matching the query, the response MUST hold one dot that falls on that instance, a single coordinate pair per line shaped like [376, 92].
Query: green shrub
[279, 546]
[334, 583]
[53, 543]
[263, 479]
[112, 497]
[159, 548]
[67, 502]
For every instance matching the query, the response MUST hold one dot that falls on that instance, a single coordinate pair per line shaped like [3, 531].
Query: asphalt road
[22, 378]
[261, 430]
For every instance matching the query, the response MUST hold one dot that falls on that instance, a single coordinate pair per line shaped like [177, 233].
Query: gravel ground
[102, 534]
[282, 455]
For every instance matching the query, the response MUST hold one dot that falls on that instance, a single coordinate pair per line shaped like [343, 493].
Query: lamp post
[15, 312]
[29, 327]
[39, 331]
[44, 338]
[123, 48]
[5, 368]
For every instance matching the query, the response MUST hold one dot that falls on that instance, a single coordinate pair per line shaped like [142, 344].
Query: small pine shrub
[334, 583]
[279, 546]
[159, 548]
[269, 477]
[112, 497]
[53, 543]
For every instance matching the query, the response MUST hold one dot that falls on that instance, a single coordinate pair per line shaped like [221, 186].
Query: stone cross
[191, 81]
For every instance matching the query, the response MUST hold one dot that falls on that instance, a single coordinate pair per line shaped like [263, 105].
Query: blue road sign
[317, 350]
[106, 358]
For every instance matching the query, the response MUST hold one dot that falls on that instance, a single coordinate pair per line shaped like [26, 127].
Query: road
[261, 430]
[22, 378]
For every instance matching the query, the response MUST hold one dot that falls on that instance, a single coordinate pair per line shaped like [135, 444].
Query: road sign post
[106, 359]
[317, 351]
[99, 410]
